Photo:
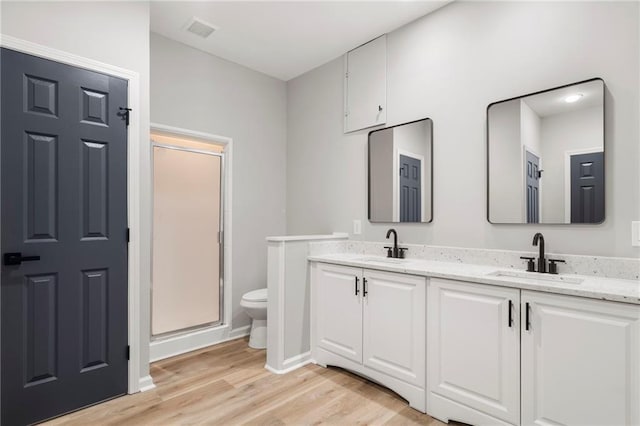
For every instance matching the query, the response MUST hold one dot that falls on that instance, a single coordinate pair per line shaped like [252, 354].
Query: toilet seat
[256, 295]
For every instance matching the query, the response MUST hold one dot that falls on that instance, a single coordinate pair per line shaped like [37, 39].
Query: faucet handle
[401, 252]
[553, 268]
[389, 251]
[531, 266]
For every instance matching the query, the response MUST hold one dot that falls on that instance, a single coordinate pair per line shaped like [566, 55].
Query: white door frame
[188, 340]
[133, 184]
[567, 176]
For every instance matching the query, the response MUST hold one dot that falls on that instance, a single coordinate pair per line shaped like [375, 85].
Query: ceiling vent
[200, 28]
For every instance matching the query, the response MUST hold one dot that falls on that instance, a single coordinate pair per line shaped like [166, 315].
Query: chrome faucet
[538, 240]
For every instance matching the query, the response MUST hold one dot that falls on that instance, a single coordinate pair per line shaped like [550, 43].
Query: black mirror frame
[369, 172]
[604, 153]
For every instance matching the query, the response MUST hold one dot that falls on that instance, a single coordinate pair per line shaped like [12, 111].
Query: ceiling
[288, 38]
[553, 102]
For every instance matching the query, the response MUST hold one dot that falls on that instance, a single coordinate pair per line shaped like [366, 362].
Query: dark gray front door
[587, 188]
[532, 176]
[410, 189]
[64, 199]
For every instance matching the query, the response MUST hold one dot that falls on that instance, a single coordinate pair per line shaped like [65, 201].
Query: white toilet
[255, 305]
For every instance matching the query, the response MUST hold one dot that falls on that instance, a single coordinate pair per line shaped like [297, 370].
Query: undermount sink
[380, 259]
[535, 276]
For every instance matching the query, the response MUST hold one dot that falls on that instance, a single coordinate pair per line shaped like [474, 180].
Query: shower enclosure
[187, 244]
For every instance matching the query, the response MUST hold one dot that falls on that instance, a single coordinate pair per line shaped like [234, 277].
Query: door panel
[532, 168]
[394, 325]
[410, 189]
[339, 310]
[64, 198]
[41, 325]
[474, 353]
[587, 188]
[580, 361]
[93, 189]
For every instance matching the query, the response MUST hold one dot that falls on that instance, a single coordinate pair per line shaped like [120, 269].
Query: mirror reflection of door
[587, 188]
[532, 178]
[551, 129]
[410, 189]
[400, 173]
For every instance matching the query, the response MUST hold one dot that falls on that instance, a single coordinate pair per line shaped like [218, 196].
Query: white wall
[449, 66]
[505, 158]
[381, 183]
[197, 91]
[575, 130]
[116, 33]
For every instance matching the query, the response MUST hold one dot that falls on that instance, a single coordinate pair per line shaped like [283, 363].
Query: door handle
[527, 324]
[364, 287]
[357, 291]
[17, 258]
[510, 313]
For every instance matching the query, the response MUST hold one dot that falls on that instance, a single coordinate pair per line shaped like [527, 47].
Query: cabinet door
[394, 325]
[580, 361]
[473, 348]
[366, 85]
[338, 310]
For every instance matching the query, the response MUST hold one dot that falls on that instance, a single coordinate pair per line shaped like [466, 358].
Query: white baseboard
[291, 364]
[191, 341]
[239, 332]
[146, 383]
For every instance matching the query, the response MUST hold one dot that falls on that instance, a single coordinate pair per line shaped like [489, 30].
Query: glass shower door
[187, 258]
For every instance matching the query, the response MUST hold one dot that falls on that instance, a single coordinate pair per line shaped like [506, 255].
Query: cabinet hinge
[128, 352]
[124, 112]
[346, 75]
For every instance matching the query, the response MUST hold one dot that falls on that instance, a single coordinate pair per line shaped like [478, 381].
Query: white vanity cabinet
[337, 310]
[473, 352]
[372, 323]
[499, 355]
[365, 85]
[580, 361]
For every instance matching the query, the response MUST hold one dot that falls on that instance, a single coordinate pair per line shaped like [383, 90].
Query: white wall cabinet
[580, 361]
[365, 85]
[373, 323]
[473, 351]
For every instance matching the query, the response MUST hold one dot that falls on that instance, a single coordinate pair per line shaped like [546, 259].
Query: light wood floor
[228, 385]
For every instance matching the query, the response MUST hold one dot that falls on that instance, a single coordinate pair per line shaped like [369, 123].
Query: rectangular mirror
[546, 156]
[400, 173]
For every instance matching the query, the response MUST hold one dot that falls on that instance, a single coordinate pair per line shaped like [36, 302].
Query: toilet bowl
[255, 305]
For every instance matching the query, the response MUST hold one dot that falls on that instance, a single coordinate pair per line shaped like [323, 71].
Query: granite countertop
[613, 289]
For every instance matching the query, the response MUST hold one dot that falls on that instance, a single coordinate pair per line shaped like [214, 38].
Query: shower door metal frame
[221, 267]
